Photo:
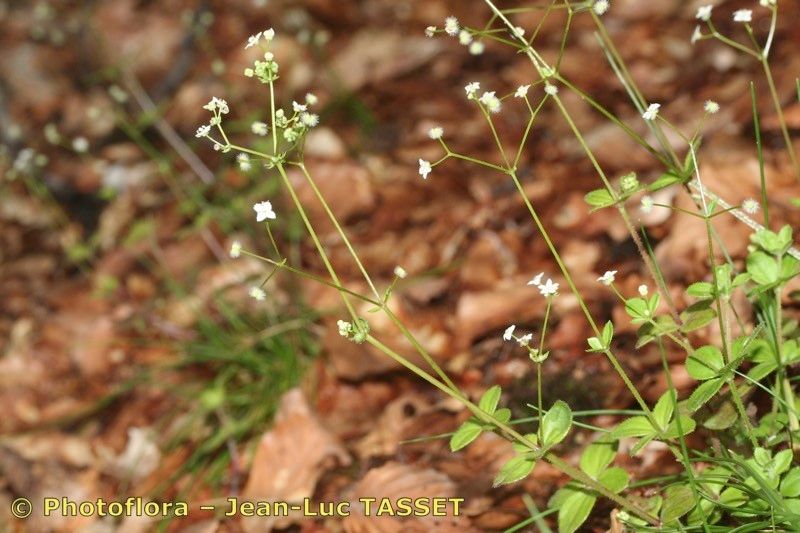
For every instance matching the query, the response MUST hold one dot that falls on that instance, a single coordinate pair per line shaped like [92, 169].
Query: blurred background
[133, 362]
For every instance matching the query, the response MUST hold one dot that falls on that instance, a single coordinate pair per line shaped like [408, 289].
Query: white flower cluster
[601, 6]
[218, 107]
[525, 342]
[548, 288]
[465, 37]
[300, 122]
[356, 332]
[253, 40]
[266, 71]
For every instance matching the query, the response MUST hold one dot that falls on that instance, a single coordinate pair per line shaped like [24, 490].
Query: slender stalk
[781, 118]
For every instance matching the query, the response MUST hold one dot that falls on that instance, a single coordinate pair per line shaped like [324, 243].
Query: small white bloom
[522, 91]
[646, 204]
[550, 89]
[400, 272]
[464, 37]
[217, 104]
[508, 334]
[643, 290]
[80, 144]
[257, 293]
[253, 40]
[472, 88]
[249, 73]
[298, 108]
[519, 31]
[768, 3]
[344, 327]
[311, 99]
[697, 35]
[491, 101]
[548, 288]
[711, 107]
[436, 133]
[525, 339]
[608, 278]
[236, 249]
[537, 279]
[451, 26]
[430, 31]
[269, 34]
[264, 211]
[601, 6]
[477, 48]
[203, 130]
[259, 128]
[424, 168]
[244, 162]
[309, 120]
[652, 112]
[704, 13]
[743, 15]
[751, 206]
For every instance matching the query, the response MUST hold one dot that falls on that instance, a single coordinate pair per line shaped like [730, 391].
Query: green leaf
[790, 486]
[637, 426]
[608, 333]
[514, 470]
[595, 344]
[705, 363]
[703, 393]
[637, 309]
[555, 424]
[464, 435]
[763, 268]
[664, 181]
[574, 511]
[503, 415]
[662, 412]
[614, 479]
[701, 289]
[490, 399]
[523, 448]
[678, 500]
[782, 461]
[695, 320]
[597, 456]
[725, 417]
[687, 426]
[599, 198]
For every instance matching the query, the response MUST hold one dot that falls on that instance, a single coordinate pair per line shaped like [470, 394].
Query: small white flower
[451, 26]
[298, 108]
[236, 249]
[203, 130]
[601, 6]
[751, 206]
[550, 89]
[652, 112]
[309, 120]
[743, 15]
[424, 168]
[646, 204]
[508, 334]
[269, 34]
[608, 278]
[311, 99]
[643, 290]
[525, 339]
[491, 101]
[519, 31]
[253, 40]
[768, 3]
[436, 133]
[711, 107]
[244, 162]
[537, 279]
[249, 73]
[477, 48]
[344, 327]
[217, 104]
[400, 272]
[464, 37]
[522, 91]
[430, 31]
[259, 128]
[264, 211]
[548, 288]
[257, 293]
[704, 13]
[697, 35]
[471, 89]
[80, 144]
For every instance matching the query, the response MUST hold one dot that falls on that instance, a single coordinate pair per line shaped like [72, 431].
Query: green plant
[749, 484]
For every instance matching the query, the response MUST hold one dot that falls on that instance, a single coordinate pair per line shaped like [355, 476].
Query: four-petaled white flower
[697, 34]
[751, 206]
[400, 272]
[472, 88]
[203, 130]
[477, 48]
[550, 89]
[652, 112]
[451, 26]
[537, 279]
[236, 249]
[646, 204]
[464, 37]
[643, 290]
[491, 101]
[257, 293]
[704, 13]
[525, 339]
[601, 6]
[269, 34]
[436, 133]
[298, 108]
[508, 334]
[522, 91]
[430, 31]
[264, 211]
[608, 278]
[548, 288]
[253, 40]
[424, 168]
[743, 15]
[217, 104]
[711, 107]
